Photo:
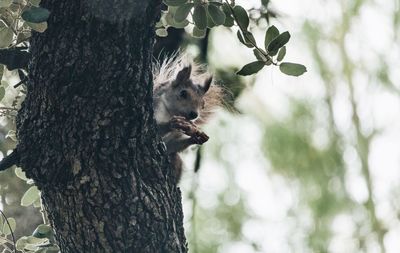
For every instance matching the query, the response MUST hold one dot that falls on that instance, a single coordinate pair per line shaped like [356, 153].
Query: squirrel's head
[185, 95]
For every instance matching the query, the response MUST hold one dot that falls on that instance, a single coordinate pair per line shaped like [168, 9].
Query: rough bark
[87, 134]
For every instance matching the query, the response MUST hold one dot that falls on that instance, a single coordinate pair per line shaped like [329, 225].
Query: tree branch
[8, 161]
[14, 58]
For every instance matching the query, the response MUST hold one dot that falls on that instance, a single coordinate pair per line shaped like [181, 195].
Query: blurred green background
[308, 164]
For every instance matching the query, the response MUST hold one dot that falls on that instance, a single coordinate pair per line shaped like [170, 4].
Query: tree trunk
[86, 130]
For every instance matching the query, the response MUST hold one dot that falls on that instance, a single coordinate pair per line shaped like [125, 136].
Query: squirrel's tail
[215, 98]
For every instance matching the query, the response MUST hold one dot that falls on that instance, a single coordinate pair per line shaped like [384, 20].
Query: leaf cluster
[42, 238]
[18, 18]
[204, 14]
[41, 241]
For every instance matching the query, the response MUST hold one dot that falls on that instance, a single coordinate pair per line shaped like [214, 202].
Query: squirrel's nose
[193, 115]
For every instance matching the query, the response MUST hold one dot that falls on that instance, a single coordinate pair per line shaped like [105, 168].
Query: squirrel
[184, 97]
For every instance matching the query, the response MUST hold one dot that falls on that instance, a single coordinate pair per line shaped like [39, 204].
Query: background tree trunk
[86, 130]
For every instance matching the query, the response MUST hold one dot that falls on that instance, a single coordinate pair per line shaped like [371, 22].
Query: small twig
[8, 108]
[12, 233]
[244, 32]
[20, 82]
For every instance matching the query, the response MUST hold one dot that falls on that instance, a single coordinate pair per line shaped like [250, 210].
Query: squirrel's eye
[183, 94]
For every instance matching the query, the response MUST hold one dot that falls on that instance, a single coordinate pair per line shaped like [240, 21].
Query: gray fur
[181, 90]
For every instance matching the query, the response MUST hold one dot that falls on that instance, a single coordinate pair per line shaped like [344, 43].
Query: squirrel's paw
[189, 128]
[183, 125]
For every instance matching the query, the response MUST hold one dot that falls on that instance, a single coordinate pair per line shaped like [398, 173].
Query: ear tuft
[184, 74]
[207, 84]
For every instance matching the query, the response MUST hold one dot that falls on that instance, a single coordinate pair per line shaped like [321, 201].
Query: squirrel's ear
[207, 84]
[184, 74]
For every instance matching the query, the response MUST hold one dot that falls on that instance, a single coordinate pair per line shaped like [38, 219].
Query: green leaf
[6, 35]
[175, 2]
[164, 18]
[5, 3]
[3, 82]
[181, 24]
[32, 247]
[30, 196]
[292, 69]
[162, 32]
[182, 12]
[210, 22]
[37, 203]
[2, 93]
[36, 14]
[23, 36]
[197, 33]
[36, 241]
[43, 231]
[241, 16]
[172, 10]
[240, 37]
[32, 244]
[227, 9]
[270, 35]
[216, 3]
[281, 53]
[20, 245]
[38, 27]
[20, 174]
[6, 228]
[48, 249]
[35, 2]
[249, 38]
[53, 249]
[229, 21]
[200, 17]
[216, 14]
[159, 24]
[278, 42]
[168, 19]
[12, 135]
[251, 68]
